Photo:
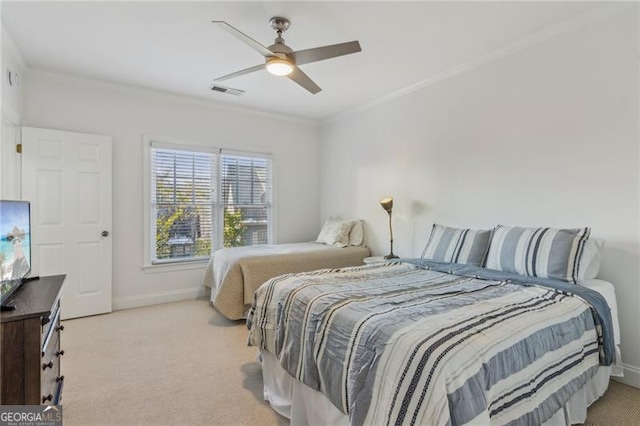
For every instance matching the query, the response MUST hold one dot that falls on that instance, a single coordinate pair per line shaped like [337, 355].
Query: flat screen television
[15, 245]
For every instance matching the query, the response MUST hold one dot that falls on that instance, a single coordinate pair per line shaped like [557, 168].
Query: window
[246, 199]
[203, 199]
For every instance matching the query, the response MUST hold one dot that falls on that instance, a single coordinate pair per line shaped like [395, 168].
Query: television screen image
[15, 242]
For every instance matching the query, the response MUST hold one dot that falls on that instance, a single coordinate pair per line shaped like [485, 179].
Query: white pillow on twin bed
[335, 231]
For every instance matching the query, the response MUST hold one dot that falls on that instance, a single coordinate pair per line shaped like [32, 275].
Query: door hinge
[19, 148]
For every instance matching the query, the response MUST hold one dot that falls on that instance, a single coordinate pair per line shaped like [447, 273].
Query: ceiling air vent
[227, 90]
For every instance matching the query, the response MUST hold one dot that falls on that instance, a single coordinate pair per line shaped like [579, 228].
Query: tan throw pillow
[356, 236]
[335, 232]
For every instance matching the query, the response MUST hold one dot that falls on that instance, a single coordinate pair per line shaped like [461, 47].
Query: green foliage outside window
[202, 247]
[164, 224]
[234, 228]
[166, 220]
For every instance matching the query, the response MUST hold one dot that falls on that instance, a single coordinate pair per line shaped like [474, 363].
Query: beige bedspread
[234, 274]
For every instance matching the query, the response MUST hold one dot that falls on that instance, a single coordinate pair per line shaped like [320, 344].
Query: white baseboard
[157, 298]
[631, 376]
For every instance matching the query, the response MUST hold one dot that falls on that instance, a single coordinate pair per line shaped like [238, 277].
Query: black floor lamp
[387, 204]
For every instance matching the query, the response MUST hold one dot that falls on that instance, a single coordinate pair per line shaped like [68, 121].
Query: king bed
[433, 342]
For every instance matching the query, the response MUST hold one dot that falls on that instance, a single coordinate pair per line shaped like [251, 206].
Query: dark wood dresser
[31, 344]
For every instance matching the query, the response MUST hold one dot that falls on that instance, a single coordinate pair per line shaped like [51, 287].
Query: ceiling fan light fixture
[279, 66]
[281, 60]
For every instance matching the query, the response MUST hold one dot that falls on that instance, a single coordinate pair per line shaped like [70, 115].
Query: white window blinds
[182, 189]
[188, 220]
[246, 199]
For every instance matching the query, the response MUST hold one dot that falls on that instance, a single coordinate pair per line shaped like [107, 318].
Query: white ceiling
[173, 47]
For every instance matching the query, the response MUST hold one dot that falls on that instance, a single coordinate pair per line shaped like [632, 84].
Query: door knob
[105, 233]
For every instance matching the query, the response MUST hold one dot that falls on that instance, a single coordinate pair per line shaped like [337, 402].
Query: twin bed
[435, 342]
[234, 274]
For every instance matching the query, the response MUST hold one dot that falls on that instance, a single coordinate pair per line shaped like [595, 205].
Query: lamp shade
[387, 204]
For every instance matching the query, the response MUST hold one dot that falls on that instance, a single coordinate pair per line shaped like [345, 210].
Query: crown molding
[14, 52]
[564, 27]
[168, 96]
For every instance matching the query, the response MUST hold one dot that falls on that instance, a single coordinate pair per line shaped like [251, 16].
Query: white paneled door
[67, 178]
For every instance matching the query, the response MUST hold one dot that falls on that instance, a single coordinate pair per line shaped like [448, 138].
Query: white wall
[547, 136]
[12, 110]
[12, 96]
[126, 114]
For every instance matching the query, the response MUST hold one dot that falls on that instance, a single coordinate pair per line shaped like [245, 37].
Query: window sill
[175, 266]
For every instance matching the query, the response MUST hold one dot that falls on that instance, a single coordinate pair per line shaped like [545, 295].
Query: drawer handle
[49, 365]
[60, 328]
[47, 398]
[60, 353]
[56, 400]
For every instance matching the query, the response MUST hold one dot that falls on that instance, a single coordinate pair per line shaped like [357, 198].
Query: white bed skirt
[305, 406]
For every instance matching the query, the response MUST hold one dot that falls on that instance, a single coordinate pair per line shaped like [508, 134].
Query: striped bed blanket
[420, 343]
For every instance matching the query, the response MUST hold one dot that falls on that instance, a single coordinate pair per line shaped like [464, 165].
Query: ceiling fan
[280, 59]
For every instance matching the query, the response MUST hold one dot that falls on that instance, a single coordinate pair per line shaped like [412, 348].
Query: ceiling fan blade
[245, 38]
[303, 80]
[241, 72]
[326, 52]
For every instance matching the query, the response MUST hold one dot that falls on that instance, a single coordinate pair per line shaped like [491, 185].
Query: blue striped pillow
[538, 252]
[456, 245]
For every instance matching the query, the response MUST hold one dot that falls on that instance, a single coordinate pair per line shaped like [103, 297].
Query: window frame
[148, 225]
[220, 207]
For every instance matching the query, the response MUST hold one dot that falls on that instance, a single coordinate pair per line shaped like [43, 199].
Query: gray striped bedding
[538, 252]
[455, 245]
[402, 343]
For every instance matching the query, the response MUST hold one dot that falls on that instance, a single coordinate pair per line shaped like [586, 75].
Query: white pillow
[335, 231]
[356, 236]
[590, 259]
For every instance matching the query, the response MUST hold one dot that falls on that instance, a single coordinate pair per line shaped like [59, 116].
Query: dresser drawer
[50, 329]
[50, 370]
[51, 382]
[30, 341]
[52, 391]
[51, 356]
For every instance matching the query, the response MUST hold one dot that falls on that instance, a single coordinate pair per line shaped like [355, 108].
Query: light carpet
[183, 363]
